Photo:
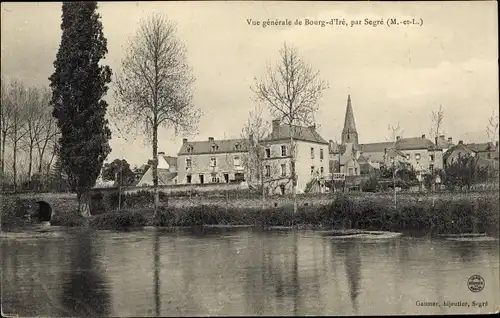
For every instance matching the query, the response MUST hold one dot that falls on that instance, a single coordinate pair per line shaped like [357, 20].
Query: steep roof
[376, 147]
[164, 177]
[458, 147]
[300, 133]
[222, 146]
[414, 143]
[172, 161]
[349, 124]
[481, 147]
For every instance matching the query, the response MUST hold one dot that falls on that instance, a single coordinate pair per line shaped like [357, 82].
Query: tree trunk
[30, 165]
[155, 170]
[14, 165]
[4, 139]
[84, 203]
[292, 171]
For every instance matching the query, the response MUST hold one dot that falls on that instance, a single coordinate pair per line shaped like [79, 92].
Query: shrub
[120, 220]
[69, 218]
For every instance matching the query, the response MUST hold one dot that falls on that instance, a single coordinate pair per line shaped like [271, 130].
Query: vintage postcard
[247, 158]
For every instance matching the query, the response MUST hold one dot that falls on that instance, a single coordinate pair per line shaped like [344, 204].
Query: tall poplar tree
[78, 85]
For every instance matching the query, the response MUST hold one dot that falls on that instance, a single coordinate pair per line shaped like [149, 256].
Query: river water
[241, 272]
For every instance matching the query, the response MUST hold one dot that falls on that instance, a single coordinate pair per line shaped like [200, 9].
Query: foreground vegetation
[465, 213]
[446, 216]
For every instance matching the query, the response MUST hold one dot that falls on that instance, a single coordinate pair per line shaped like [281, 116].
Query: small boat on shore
[467, 237]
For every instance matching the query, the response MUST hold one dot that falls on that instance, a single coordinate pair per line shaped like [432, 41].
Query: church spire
[349, 133]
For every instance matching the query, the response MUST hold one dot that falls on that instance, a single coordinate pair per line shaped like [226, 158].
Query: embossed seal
[475, 283]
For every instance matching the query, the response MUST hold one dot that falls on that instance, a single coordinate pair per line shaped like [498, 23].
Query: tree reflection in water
[85, 293]
[156, 270]
[353, 270]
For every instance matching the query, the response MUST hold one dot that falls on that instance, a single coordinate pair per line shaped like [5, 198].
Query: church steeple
[349, 133]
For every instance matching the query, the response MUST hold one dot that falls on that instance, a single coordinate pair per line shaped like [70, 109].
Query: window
[431, 168]
[431, 158]
[268, 153]
[283, 170]
[236, 161]
[213, 162]
[190, 149]
[188, 178]
[312, 169]
[215, 148]
[188, 163]
[330, 168]
[489, 155]
[417, 156]
[237, 147]
[268, 171]
[321, 154]
[283, 151]
[214, 178]
[202, 178]
[312, 153]
[355, 171]
[350, 171]
[407, 156]
[322, 170]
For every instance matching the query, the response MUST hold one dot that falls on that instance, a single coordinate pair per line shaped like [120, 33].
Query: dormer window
[237, 147]
[190, 149]
[215, 147]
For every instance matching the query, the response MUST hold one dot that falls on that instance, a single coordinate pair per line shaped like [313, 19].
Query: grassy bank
[478, 213]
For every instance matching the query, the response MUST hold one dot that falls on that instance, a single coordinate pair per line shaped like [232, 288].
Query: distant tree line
[29, 138]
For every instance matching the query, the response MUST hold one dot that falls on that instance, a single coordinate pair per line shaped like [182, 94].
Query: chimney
[460, 142]
[276, 125]
[398, 137]
[184, 141]
[211, 139]
[423, 136]
[161, 153]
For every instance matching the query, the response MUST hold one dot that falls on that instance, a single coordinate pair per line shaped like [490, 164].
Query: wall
[303, 163]
[424, 162]
[200, 164]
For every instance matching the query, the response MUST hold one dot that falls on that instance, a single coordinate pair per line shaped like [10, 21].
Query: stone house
[167, 172]
[311, 158]
[486, 154]
[212, 161]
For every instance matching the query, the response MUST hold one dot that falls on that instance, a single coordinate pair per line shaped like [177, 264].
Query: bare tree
[394, 132]
[437, 118]
[17, 101]
[154, 87]
[6, 121]
[254, 131]
[49, 133]
[492, 128]
[292, 90]
[34, 126]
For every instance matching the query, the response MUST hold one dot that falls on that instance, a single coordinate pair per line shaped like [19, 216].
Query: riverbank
[442, 214]
[460, 215]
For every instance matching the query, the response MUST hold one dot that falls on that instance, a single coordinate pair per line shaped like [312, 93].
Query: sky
[396, 74]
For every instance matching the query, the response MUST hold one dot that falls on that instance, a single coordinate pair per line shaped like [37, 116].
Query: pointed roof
[349, 124]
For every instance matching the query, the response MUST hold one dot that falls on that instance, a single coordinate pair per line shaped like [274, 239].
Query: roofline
[211, 153]
[297, 139]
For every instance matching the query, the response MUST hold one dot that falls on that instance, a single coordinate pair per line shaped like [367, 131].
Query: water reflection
[353, 270]
[242, 272]
[85, 289]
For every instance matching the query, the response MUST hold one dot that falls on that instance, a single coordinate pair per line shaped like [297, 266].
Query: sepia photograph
[249, 158]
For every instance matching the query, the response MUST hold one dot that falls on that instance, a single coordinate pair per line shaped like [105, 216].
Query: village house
[212, 161]
[311, 158]
[167, 172]
[486, 154]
